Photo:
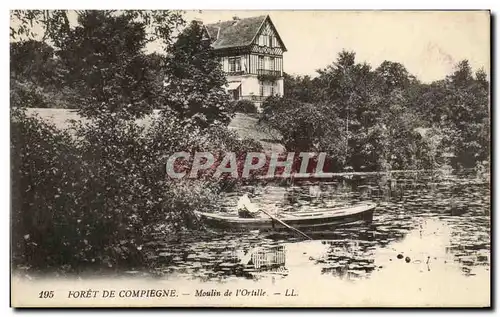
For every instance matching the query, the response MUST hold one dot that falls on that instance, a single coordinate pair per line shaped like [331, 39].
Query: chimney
[218, 31]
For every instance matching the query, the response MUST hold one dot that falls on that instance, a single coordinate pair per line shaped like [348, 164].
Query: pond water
[428, 245]
[426, 226]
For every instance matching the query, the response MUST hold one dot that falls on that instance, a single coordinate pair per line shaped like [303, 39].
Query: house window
[262, 40]
[271, 38]
[272, 88]
[268, 88]
[261, 62]
[236, 94]
[234, 64]
[271, 63]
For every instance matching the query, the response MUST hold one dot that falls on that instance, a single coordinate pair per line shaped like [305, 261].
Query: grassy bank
[246, 125]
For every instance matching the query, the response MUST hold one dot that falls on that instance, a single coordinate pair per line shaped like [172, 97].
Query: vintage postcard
[169, 158]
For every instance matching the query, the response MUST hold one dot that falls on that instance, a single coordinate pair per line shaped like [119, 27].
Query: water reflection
[423, 222]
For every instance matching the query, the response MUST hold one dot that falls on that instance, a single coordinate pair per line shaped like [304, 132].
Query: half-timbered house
[251, 52]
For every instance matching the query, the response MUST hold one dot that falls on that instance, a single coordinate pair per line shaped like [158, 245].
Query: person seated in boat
[247, 209]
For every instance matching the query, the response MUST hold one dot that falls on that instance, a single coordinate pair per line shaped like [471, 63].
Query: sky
[427, 43]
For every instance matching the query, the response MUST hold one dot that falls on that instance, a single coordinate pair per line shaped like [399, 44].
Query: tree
[301, 88]
[102, 59]
[105, 64]
[467, 115]
[33, 60]
[306, 127]
[393, 76]
[35, 75]
[51, 24]
[350, 88]
[195, 80]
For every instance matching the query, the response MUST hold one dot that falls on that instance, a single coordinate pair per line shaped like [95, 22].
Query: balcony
[235, 73]
[268, 75]
[257, 98]
[254, 98]
[268, 72]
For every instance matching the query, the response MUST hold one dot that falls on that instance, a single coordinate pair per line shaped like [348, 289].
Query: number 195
[46, 294]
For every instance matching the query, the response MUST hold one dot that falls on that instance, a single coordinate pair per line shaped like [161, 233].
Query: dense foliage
[195, 80]
[244, 106]
[91, 195]
[104, 62]
[35, 76]
[301, 88]
[384, 118]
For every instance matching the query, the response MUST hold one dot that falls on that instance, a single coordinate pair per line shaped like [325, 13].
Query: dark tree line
[384, 118]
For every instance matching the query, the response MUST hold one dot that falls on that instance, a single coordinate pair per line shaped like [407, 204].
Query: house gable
[268, 36]
[242, 32]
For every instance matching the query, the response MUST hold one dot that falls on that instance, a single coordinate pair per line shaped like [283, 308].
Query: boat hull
[313, 221]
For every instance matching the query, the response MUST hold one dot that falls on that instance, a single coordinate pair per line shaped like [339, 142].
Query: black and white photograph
[249, 158]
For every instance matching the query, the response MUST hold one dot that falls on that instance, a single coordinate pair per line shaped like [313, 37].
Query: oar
[284, 224]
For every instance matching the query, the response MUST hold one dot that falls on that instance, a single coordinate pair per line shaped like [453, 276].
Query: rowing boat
[327, 217]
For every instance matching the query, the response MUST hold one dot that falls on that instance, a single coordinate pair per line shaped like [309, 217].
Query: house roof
[236, 33]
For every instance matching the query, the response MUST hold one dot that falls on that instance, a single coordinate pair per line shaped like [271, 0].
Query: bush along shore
[92, 195]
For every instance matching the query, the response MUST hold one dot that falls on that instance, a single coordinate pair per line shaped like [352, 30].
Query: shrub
[245, 106]
[94, 198]
[272, 104]
[252, 145]
[51, 223]
[84, 201]
[27, 94]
